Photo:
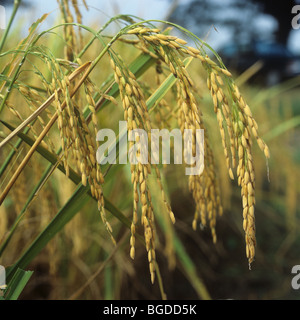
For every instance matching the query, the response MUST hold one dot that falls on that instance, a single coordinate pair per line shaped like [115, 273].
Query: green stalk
[12, 17]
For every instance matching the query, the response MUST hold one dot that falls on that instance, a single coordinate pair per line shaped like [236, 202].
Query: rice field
[71, 228]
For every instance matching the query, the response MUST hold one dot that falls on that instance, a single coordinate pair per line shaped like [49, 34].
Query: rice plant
[60, 86]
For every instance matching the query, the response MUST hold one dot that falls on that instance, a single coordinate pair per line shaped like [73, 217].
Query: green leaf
[16, 284]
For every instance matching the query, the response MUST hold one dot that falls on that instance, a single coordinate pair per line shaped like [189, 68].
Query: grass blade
[17, 283]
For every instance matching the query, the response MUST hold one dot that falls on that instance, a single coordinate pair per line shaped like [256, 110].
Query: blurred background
[260, 47]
